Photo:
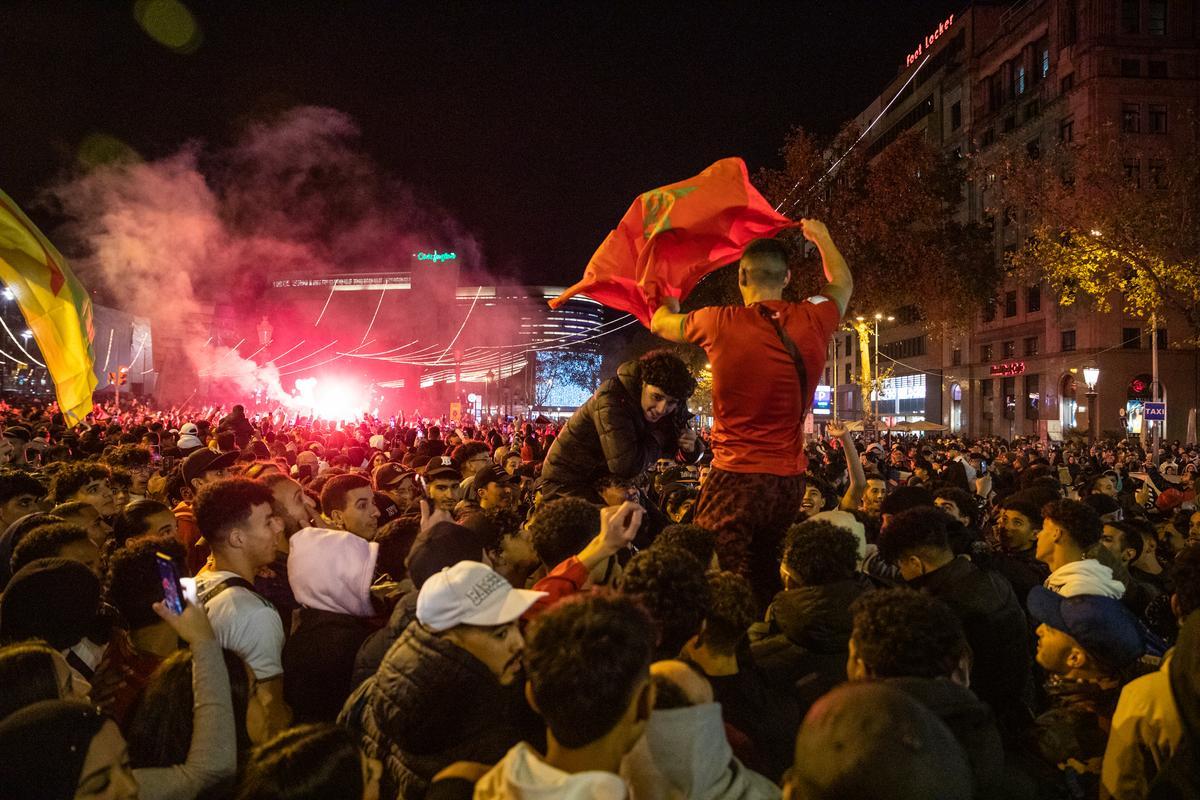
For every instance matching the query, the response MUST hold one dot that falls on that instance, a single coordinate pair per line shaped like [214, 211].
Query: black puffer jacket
[804, 643]
[430, 704]
[972, 724]
[995, 626]
[609, 435]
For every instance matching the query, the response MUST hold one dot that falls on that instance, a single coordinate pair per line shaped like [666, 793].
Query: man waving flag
[673, 236]
[56, 308]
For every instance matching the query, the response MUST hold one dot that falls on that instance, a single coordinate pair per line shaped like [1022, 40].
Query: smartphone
[172, 590]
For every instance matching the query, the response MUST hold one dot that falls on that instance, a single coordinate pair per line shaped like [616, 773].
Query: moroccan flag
[673, 236]
[55, 305]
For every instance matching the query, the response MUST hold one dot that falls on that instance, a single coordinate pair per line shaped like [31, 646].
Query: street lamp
[1091, 376]
[879, 317]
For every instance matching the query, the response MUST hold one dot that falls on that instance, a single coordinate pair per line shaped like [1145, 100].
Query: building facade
[1037, 72]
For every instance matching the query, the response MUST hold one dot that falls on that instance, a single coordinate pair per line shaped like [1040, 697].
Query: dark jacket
[242, 430]
[318, 660]
[373, 649]
[804, 643]
[971, 722]
[996, 629]
[609, 435]
[430, 704]
[1022, 570]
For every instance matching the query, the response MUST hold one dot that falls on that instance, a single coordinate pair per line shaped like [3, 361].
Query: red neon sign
[1008, 369]
[928, 41]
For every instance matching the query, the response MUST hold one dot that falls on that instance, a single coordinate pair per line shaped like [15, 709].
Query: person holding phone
[68, 748]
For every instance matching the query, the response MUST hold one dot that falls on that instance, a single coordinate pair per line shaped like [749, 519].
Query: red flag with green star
[673, 236]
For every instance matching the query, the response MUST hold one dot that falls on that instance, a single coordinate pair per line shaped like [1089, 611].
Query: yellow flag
[56, 308]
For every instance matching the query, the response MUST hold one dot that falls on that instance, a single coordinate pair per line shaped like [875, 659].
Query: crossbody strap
[236, 582]
[790, 346]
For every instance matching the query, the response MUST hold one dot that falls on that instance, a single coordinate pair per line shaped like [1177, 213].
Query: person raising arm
[668, 323]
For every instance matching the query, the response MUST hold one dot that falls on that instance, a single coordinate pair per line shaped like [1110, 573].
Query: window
[1010, 304]
[1068, 341]
[1131, 118]
[1131, 338]
[1131, 68]
[956, 116]
[1033, 396]
[1008, 387]
[1133, 172]
[1157, 118]
[1067, 83]
[985, 353]
[1032, 110]
[1161, 336]
[1066, 131]
[1131, 16]
[1009, 348]
[1044, 58]
[956, 357]
[1157, 176]
[986, 388]
[1158, 18]
[1019, 80]
[1031, 346]
[1070, 22]
[1010, 123]
[1157, 69]
[1033, 299]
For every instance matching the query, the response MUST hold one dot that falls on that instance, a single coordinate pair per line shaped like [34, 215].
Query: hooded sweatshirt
[330, 575]
[332, 570]
[523, 775]
[1088, 576]
[685, 754]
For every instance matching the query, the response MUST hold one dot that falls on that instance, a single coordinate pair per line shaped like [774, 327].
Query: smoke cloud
[206, 229]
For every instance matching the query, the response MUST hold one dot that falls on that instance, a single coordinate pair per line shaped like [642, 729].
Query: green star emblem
[657, 205]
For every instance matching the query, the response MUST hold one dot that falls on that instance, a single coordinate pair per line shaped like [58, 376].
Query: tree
[563, 370]
[1108, 220]
[895, 215]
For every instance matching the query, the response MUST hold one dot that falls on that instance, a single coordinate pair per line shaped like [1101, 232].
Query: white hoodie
[332, 571]
[523, 775]
[685, 756]
[1088, 576]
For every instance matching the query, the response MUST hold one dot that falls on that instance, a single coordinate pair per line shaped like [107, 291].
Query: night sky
[535, 124]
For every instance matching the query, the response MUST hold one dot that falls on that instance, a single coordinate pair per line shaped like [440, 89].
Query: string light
[18, 344]
[866, 130]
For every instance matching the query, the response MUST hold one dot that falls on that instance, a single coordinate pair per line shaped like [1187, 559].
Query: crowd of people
[618, 606]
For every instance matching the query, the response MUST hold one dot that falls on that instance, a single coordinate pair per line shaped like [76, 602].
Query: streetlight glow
[1091, 376]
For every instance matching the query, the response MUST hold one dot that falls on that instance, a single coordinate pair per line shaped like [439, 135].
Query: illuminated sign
[822, 400]
[928, 41]
[436, 256]
[1008, 369]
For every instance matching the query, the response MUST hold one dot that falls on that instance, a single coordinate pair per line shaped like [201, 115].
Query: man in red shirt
[760, 399]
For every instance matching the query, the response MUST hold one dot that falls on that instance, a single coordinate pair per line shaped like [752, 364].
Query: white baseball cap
[470, 593]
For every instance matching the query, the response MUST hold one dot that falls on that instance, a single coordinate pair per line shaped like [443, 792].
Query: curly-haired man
[629, 423]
